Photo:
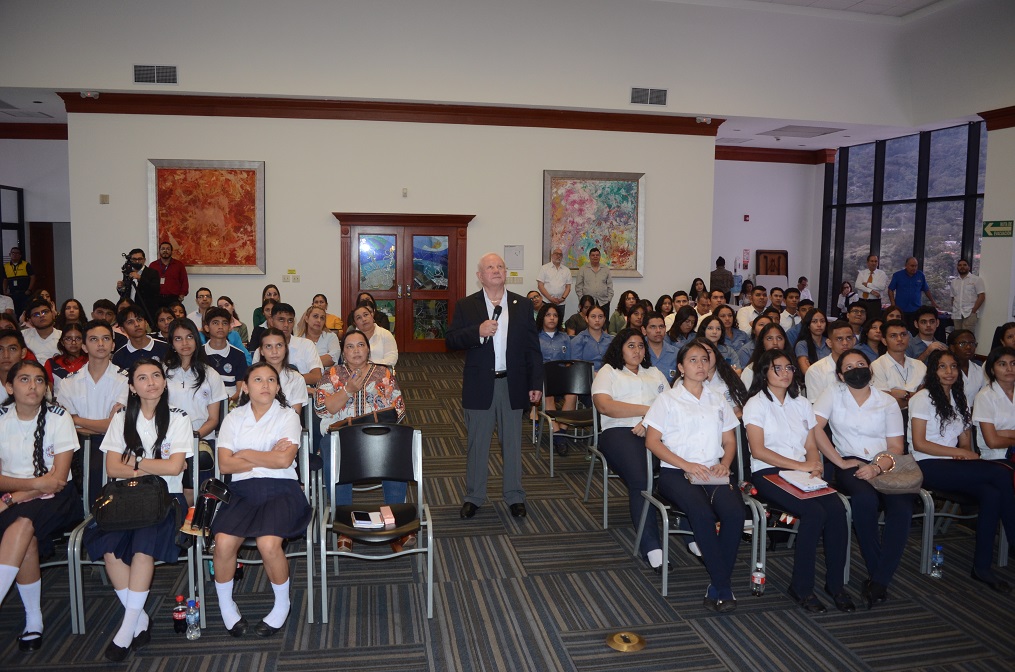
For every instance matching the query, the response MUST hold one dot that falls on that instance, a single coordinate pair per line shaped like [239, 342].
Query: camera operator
[140, 283]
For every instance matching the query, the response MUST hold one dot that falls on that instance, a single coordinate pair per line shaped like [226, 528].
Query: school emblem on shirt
[661, 388]
[48, 449]
[166, 445]
[228, 368]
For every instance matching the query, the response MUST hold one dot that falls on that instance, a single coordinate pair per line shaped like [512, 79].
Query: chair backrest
[570, 376]
[376, 451]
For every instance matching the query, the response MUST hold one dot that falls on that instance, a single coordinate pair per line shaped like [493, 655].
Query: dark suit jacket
[524, 359]
[148, 290]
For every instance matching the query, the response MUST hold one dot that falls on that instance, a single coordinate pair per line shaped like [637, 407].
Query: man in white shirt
[554, 281]
[821, 374]
[747, 314]
[967, 297]
[595, 280]
[203, 297]
[872, 286]
[703, 306]
[302, 351]
[41, 338]
[791, 316]
[6, 305]
[805, 291]
[894, 372]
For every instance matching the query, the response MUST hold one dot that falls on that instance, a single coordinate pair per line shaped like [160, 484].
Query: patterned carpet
[540, 594]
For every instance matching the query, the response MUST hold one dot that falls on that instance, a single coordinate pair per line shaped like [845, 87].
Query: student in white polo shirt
[894, 372]
[821, 374]
[994, 407]
[42, 337]
[302, 351]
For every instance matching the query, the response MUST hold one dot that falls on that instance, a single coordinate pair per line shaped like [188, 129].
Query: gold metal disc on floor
[625, 641]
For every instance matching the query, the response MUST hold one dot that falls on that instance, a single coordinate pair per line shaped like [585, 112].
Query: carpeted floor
[540, 594]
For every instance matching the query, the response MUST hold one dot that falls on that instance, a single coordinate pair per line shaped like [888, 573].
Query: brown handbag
[904, 478]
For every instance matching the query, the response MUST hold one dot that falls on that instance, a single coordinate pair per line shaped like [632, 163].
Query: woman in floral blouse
[351, 389]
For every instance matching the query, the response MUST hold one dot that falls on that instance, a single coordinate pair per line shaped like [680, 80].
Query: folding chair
[369, 453]
[937, 520]
[559, 379]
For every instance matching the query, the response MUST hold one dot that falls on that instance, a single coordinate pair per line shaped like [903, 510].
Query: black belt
[500, 374]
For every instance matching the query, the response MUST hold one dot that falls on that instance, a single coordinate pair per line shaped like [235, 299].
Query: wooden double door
[413, 266]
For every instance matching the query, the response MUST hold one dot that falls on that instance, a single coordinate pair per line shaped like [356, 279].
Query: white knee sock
[280, 611]
[7, 574]
[31, 595]
[227, 606]
[142, 621]
[122, 596]
[655, 557]
[135, 607]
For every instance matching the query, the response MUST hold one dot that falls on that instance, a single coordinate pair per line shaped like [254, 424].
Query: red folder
[797, 492]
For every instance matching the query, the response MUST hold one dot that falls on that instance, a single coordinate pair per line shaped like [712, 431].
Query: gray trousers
[479, 425]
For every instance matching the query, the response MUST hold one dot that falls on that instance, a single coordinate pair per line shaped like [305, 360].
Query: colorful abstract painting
[583, 210]
[211, 211]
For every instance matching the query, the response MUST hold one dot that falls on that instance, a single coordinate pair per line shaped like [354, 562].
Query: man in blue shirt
[905, 289]
[662, 354]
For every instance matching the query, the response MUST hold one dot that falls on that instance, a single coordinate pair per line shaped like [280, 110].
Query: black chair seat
[406, 523]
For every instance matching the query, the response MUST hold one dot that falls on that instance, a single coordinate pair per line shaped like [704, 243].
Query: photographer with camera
[140, 283]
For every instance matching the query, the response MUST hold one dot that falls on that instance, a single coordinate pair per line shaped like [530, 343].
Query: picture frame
[585, 209]
[771, 262]
[211, 211]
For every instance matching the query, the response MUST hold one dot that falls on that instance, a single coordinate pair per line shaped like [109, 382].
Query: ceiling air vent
[648, 96]
[155, 74]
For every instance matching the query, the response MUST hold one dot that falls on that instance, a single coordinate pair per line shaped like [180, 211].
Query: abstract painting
[211, 211]
[582, 210]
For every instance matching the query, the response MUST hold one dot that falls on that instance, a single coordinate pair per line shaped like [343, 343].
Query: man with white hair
[554, 281]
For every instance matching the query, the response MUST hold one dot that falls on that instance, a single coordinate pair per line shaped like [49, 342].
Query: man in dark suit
[503, 375]
[141, 286]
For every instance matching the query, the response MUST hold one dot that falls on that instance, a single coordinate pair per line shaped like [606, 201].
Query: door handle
[408, 290]
[399, 287]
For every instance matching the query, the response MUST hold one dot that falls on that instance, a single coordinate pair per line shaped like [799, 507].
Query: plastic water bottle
[180, 615]
[193, 621]
[758, 581]
[937, 563]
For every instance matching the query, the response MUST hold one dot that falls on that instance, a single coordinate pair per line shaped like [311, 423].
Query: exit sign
[998, 228]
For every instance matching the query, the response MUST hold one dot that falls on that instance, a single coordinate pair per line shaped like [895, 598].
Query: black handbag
[133, 503]
[212, 492]
[388, 416]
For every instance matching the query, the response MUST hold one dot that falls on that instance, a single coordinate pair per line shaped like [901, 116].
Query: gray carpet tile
[403, 658]
[490, 556]
[668, 647]
[570, 552]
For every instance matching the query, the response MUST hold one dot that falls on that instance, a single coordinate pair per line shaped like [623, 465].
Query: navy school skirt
[264, 507]
[158, 541]
[49, 516]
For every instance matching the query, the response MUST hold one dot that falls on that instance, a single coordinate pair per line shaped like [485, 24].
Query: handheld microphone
[496, 312]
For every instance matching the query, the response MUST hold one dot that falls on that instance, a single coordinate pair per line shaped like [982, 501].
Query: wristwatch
[7, 498]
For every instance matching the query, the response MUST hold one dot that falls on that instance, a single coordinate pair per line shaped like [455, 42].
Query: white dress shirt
[785, 424]
[820, 376]
[241, 431]
[692, 427]
[624, 385]
[964, 293]
[878, 284]
[922, 408]
[887, 374]
[859, 431]
[746, 317]
[554, 278]
[993, 405]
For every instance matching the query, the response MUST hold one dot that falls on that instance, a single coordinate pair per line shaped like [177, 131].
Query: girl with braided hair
[37, 441]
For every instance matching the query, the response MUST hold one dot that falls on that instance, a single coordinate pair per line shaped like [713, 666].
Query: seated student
[682, 329]
[618, 320]
[6, 305]
[94, 393]
[312, 328]
[811, 344]
[623, 391]
[679, 301]
[703, 449]
[302, 354]
[662, 354]
[71, 357]
[994, 407]
[869, 342]
[179, 312]
[147, 436]
[259, 317]
[664, 305]
[104, 310]
[332, 323]
[962, 344]
[781, 433]
[711, 328]
[36, 504]
[537, 301]
[733, 337]
[42, 337]
[140, 345]
[745, 296]
[203, 297]
[578, 323]
[894, 372]
[775, 300]
[591, 344]
[718, 298]
[228, 360]
[939, 421]
[258, 445]
[856, 316]
[383, 347]
[255, 336]
[749, 313]
[723, 379]
[237, 324]
[793, 333]
[555, 346]
[924, 343]
[380, 317]
[353, 388]
[770, 336]
[636, 316]
[822, 374]
[1004, 335]
[847, 297]
[12, 351]
[791, 315]
[70, 312]
[163, 318]
[697, 287]
[275, 351]
[703, 305]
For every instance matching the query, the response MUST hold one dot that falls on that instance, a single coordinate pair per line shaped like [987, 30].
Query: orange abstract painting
[211, 215]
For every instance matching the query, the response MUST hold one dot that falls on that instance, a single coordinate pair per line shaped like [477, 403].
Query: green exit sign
[998, 228]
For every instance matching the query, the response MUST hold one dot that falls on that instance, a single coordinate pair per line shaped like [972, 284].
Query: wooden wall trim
[799, 156]
[358, 110]
[999, 119]
[401, 219]
[33, 131]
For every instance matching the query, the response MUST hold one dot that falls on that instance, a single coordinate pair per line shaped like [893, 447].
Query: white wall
[314, 168]
[997, 260]
[784, 205]
[39, 167]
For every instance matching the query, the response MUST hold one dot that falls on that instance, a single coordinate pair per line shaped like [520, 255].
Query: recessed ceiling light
[37, 102]
[801, 145]
[847, 136]
[736, 130]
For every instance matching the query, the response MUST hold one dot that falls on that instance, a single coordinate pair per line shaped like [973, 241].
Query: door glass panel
[387, 306]
[430, 319]
[429, 265]
[377, 263]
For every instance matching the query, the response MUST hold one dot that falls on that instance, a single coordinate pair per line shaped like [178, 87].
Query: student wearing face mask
[866, 423]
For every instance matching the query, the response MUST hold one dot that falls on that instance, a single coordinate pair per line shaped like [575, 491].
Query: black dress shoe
[116, 654]
[560, 446]
[843, 602]
[720, 606]
[264, 630]
[987, 577]
[468, 510]
[142, 638]
[873, 593]
[239, 628]
[810, 603]
[518, 510]
[33, 643]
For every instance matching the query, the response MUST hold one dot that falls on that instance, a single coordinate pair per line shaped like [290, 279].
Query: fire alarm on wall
[747, 218]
